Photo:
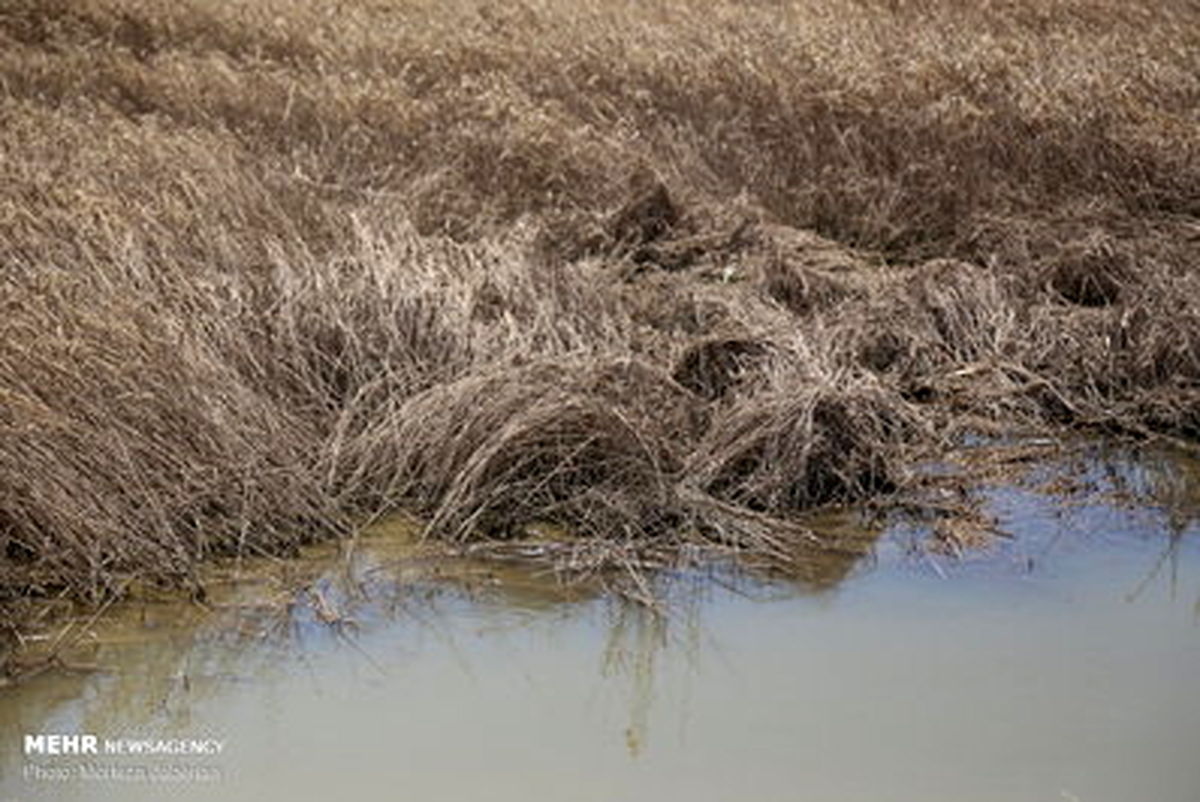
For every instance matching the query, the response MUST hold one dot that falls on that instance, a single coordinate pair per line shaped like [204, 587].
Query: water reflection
[1054, 664]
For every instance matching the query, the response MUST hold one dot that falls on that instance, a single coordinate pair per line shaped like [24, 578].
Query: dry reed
[661, 272]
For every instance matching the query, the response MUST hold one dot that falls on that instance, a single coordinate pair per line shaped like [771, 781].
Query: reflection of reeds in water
[1172, 482]
[161, 661]
[157, 662]
[636, 636]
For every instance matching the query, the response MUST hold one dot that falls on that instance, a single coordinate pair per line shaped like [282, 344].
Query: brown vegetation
[661, 272]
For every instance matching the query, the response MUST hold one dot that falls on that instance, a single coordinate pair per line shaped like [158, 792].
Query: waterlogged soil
[1058, 662]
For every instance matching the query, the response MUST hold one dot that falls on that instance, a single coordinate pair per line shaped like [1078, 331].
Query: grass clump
[662, 273]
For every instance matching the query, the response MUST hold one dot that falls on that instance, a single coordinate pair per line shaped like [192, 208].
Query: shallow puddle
[1060, 665]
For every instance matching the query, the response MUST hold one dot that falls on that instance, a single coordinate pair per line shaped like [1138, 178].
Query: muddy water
[1060, 665]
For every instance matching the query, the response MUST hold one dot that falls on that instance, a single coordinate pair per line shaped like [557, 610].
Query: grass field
[658, 272]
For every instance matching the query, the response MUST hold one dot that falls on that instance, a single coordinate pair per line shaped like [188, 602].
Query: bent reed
[660, 273]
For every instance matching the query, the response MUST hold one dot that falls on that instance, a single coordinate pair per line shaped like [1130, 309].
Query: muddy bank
[619, 271]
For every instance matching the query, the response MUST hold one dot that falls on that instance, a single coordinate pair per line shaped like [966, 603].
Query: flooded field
[1059, 664]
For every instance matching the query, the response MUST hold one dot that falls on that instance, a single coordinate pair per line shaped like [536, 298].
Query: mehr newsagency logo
[54, 758]
[82, 744]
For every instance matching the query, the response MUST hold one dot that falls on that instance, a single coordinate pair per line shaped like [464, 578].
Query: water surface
[1059, 665]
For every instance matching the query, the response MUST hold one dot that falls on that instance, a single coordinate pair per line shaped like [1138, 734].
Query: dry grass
[663, 272]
